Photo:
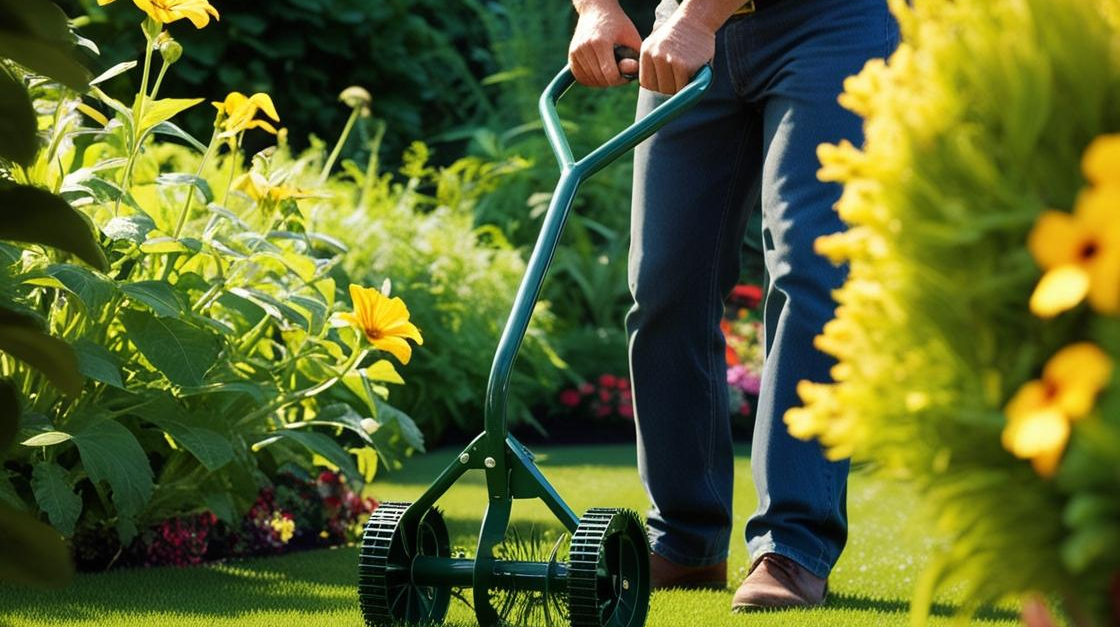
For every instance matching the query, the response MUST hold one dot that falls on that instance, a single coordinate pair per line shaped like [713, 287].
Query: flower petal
[1055, 239]
[264, 101]
[1078, 372]
[395, 346]
[1059, 290]
[1039, 434]
[1101, 162]
[1104, 281]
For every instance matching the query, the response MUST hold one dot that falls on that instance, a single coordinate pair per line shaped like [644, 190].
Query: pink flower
[626, 410]
[608, 380]
[569, 397]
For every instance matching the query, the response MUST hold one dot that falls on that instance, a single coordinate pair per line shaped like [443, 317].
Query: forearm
[710, 14]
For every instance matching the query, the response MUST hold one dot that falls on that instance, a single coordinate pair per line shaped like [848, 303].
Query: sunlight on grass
[870, 586]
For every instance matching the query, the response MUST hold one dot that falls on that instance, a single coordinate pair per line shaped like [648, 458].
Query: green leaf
[221, 504]
[171, 130]
[209, 447]
[272, 306]
[113, 72]
[30, 214]
[183, 353]
[133, 228]
[398, 433]
[165, 109]
[342, 415]
[36, 35]
[181, 178]
[158, 295]
[55, 496]
[18, 141]
[96, 362]
[9, 416]
[163, 245]
[8, 494]
[50, 438]
[324, 446]
[20, 338]
[32, 553]
[110, 453]
[93, 290]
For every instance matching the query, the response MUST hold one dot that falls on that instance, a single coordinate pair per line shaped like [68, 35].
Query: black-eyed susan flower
[1041, 412]
[1080, 252]
[384, 321]
[166, 11]
[238, 113]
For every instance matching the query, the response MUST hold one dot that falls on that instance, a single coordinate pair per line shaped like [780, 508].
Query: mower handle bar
[624, 140]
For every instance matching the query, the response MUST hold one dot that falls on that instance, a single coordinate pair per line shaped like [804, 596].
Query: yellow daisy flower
[1040, 413]
[165, 11]
[237, 113]
[384, 321]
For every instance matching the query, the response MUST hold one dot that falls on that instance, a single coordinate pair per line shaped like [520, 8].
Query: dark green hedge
[421, 59]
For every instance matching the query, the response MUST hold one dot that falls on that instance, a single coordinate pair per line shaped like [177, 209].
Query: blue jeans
[750, 142]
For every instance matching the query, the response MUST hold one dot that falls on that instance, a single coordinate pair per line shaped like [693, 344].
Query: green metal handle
[623, 141]
[572, 174]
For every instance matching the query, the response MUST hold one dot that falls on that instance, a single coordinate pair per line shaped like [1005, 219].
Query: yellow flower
[165, 11]
[237, 112]
[259, 188]
[284, 526]
[1040, 413]
[1081, 251]
[384, 321]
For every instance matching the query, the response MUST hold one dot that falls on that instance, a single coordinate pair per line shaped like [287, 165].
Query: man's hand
[602, 24]
[675, 52]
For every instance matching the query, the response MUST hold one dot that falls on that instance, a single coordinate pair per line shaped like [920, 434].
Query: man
[778, 68]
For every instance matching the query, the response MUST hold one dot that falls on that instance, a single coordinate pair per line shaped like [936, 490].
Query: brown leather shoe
[775, 581]
[666, 574]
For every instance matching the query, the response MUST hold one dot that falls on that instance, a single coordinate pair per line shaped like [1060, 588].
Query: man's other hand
[602, 25]
[673, 53]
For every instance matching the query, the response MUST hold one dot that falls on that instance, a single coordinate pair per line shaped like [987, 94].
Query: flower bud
[356, 98]
[170, 50]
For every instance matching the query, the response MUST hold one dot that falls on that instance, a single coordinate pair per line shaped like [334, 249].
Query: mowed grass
[871, 585]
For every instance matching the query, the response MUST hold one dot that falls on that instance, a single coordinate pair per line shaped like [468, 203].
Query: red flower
[748, 296]
[623, 383]
[608, 380]
[605, 395]
[602, 411]
[626, 410]
[586, 388]
[328, 477]
[569, 397]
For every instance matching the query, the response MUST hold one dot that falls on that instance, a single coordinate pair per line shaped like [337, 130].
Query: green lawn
[871, 584]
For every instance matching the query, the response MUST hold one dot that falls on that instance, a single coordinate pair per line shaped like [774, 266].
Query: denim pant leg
[794, 57]
[693, 185]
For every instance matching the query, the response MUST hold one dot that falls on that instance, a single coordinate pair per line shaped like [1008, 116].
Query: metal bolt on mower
[407, 573]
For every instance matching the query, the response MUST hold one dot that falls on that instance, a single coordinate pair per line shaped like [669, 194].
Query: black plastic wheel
[608, 570]
[385, 588]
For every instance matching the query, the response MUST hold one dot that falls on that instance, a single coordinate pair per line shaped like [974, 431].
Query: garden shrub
[209, 340]
[418, 229]
[958, 369]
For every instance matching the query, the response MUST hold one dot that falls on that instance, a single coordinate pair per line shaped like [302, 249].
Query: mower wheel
[386, 591]
[608, 570]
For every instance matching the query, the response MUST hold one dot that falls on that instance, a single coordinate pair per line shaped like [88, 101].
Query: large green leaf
[18, 142]
[110, 453]
[158, 295]
[96, 362]
[32, 553]
[208, 446]
[35, 34]
[30, 214]
[342, 415]
[134, 228]
[20, 338]
[183, 353]
[325, 447]
[92, 289]
[55, 496]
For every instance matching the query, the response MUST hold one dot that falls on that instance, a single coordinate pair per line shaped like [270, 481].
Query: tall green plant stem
[190, 195]
[305, 393]
[372, 166]
[138, 109]
[354, 115]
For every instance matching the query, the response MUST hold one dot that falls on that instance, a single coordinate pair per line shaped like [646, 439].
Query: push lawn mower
[407, 573]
